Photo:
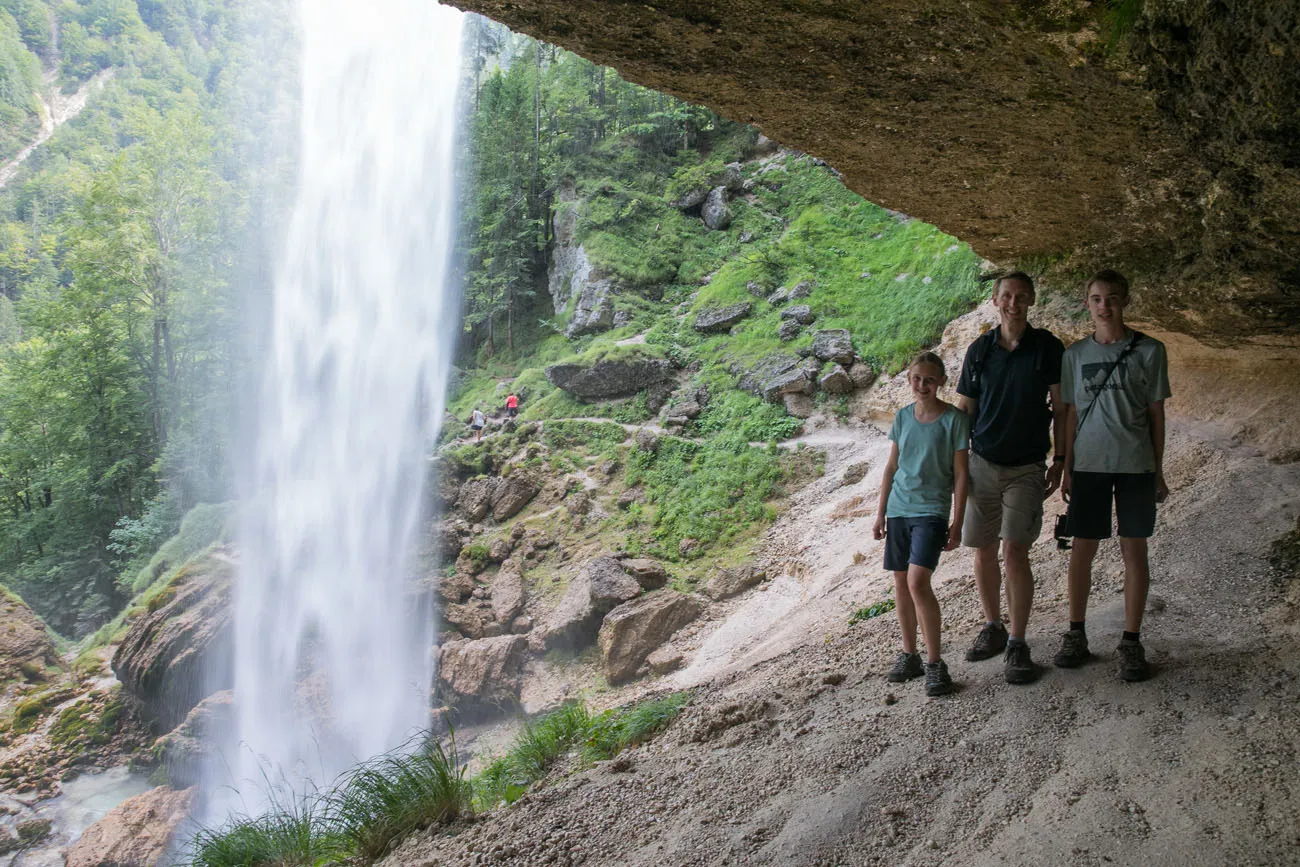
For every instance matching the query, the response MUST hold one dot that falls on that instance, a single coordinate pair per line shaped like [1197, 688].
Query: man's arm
[1156, 415]
[1056, 468]
[960, 477]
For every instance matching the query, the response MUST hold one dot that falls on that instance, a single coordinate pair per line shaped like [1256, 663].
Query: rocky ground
[796, 751]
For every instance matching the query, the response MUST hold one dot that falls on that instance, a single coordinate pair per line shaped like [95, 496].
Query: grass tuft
[299, 836]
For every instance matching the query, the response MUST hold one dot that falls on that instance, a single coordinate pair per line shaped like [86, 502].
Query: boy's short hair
[929, 358]
[1109, 277]
[1019, 276]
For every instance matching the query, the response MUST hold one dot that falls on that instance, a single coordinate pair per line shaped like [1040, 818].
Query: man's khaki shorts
[1004, 503]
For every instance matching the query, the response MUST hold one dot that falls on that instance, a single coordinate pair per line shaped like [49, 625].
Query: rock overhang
[1014, 126]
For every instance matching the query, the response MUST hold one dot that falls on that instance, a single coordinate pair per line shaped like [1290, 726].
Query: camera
[1062, 532]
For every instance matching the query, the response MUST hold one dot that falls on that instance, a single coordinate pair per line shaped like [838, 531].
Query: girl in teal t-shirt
[924, 480]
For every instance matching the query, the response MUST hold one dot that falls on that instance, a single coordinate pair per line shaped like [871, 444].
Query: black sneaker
[906, 667]
[1074, 650]
[1019, 668]
[937, 681]
[1132, 661]
[989, 643]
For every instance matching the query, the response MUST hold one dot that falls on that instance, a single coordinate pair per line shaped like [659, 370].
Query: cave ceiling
[1051, 135]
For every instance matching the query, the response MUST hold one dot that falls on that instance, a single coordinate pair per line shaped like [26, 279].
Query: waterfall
[332, 634]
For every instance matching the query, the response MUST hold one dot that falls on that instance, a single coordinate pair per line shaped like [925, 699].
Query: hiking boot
[906, 667]
[1018, 667]
[989, 643]
[937, 681]
[1074, 650]
[1132, 661]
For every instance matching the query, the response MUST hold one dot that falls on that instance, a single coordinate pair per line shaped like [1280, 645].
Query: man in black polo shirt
[1006, 380]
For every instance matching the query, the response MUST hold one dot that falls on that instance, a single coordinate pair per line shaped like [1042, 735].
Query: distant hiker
[927, 464]
[476, 422]
[1115, 383]
[512, 405]
[1006, 380]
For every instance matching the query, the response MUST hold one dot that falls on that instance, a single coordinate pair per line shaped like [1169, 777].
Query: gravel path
[797, 752]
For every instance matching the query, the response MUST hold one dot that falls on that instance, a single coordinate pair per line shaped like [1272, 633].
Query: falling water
[332, 637]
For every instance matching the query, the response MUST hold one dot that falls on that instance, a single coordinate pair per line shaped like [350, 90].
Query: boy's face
[926, 380]
[1013, 300]
[1106, 303]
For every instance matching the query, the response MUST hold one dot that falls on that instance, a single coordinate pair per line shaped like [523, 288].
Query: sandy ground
[796, 751]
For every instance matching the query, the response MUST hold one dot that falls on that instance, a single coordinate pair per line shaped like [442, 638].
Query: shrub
[286, 837]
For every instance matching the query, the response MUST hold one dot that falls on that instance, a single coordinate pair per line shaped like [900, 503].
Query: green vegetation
[861, 615]
[381, 802]
[88, 724]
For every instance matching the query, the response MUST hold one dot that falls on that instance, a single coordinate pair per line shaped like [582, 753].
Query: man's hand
[1065, 483]
[1162, 489]
[878, 531]
[954, 537]
[1054, 472]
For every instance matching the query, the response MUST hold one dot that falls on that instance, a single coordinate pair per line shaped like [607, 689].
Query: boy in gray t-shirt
[1114, 383]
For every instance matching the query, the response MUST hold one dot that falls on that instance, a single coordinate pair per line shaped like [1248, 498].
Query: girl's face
[926, 380]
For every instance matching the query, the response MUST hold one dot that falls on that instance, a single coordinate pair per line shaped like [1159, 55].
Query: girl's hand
[954, 537]
[878, 531]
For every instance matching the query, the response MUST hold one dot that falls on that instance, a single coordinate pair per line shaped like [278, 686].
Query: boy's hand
[1162, 489]
[1065, 484]
[878, 531]
[954, 538]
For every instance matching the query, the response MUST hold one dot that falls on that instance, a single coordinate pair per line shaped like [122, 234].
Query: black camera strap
[1132, 344]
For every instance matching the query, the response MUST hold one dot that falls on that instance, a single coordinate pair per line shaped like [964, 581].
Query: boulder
[731, 177]
[180, 652]
[801, 289]
[455, 587]
[779, 297]
[768, 367]
[600, 587]
[656, 396]
[646, 440]
[789, 330]
[725, 583]
[609, 377]
[475, 497]
[482, 676]
[634, 629]
[136, 833]
[690, 409]
[833, 344]
[508, 592]
[499, 550]
[511, 494]
[184, 750]
[837, 381]
[650, 574]
[630, 496]
[794, 381]
[862, 374]
[800, 313]
[25, 646]
[855, 473]
[468, 619]
[692, 198]
[715, 213]
[665, 660]
[757, 289]
[716, 320]
[593, 309]
[799, 405]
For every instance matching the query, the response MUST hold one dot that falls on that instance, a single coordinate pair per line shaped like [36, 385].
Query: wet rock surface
[137, 833]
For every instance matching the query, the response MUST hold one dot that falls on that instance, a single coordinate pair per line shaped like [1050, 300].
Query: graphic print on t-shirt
[1095, 372]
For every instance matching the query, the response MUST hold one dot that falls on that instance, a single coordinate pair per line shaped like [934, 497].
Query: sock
[997, 622]
[1130, 636]
[1012, 641]
[1076, 626]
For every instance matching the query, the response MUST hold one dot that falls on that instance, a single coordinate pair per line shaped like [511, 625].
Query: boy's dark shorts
[1135, 504]
[914, 540]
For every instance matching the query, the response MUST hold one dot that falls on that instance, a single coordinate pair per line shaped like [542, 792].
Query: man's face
[1106, 303]
[1013, 300]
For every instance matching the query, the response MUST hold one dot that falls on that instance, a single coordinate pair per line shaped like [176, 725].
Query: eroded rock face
[650, 574]
[475, 497]
[600, 587]
[185, 748]
[180, 652]
[833, 344]
[1120, 165]
[136, 833]
[508, 592]
[717, 320]
[25, 646]
[593, 309]
[511, 494]
[632, 630]
[613, 377]
[481, 676]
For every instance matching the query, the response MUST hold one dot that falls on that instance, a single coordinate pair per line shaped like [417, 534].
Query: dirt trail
[798, 752]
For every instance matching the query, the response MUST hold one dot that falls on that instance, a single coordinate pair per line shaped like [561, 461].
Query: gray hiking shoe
[989, 643]
[1133, 664]
[1018, 667]
[906, 667]
[1074, 650]
[937, 681]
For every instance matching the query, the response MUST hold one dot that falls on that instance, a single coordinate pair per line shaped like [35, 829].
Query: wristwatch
[1058, 459]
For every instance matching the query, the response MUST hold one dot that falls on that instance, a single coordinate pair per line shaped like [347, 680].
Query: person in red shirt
[512, 405]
